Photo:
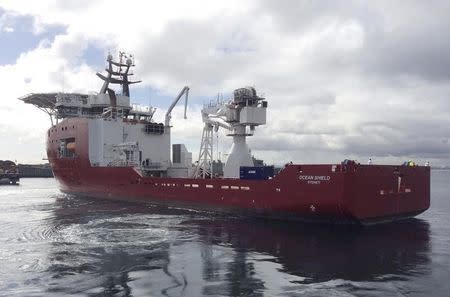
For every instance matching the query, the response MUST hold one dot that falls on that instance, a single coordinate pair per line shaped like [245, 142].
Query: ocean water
[53, 244]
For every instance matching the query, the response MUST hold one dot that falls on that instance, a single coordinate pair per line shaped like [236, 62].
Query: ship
[100, 145]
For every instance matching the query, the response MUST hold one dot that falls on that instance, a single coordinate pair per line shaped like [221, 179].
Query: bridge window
[154, 128]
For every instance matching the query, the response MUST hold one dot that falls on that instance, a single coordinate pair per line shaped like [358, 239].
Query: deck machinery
[239, 116]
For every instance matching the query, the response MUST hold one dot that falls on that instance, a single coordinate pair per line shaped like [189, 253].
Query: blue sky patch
[146, 95]
[94, 56]
[17, 36]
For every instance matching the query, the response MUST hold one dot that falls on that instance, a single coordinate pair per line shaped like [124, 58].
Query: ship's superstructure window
[66, 148]
[154, 128]
[129, 156]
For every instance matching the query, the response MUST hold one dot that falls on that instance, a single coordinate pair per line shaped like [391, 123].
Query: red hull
[327, 193]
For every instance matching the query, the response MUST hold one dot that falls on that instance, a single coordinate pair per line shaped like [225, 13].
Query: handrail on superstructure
[185, 91]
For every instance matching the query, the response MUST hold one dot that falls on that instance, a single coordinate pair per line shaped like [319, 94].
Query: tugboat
[101, 146]
[9, 173]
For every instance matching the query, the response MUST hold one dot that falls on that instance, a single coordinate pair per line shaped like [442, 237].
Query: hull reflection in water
[322, 253]
[125, 249]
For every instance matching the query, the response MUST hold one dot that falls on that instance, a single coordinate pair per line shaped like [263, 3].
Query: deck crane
[245, 109]
[212, 116]
[184, 91]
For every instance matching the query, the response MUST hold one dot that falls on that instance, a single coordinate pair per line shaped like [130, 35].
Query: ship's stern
[382, 193]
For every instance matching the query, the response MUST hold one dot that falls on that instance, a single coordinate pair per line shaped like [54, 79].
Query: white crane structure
[184, 91]
[211, 116]
[240, 116]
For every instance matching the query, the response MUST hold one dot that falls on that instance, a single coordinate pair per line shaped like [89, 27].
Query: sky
[343, 79]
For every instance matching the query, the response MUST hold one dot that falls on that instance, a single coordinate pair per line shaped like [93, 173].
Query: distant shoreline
[39, 170]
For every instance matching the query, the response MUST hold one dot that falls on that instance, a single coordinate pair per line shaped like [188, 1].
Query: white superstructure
[120, 134]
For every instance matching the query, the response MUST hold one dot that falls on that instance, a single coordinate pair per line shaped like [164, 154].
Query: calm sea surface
[53, 244]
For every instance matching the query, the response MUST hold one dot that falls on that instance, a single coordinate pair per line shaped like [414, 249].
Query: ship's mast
[118, 73]
[64, 105]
